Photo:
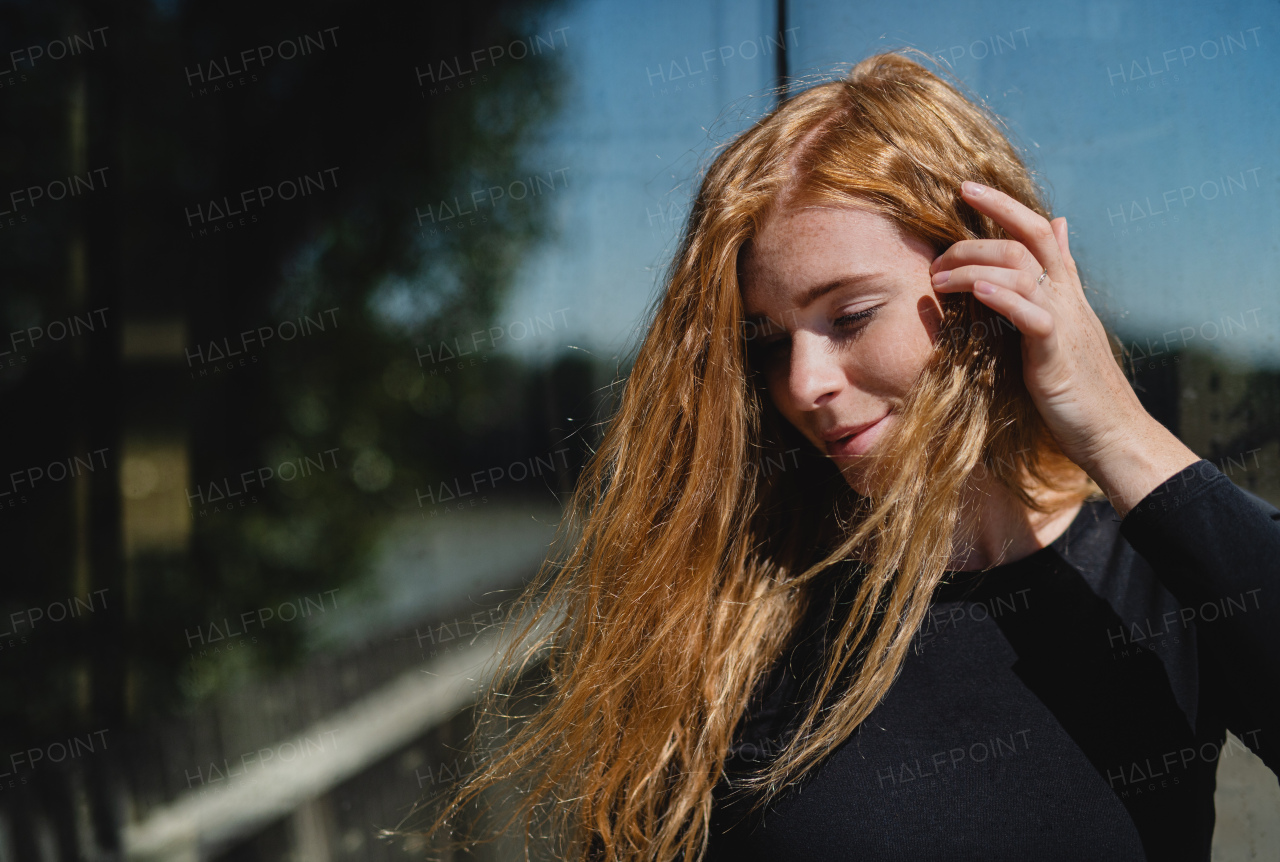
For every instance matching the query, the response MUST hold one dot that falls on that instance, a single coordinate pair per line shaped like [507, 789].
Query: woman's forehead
[812, 246]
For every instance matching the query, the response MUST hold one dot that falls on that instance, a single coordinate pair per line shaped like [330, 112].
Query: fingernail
[941, 277]
[983, 287]
[974, 189]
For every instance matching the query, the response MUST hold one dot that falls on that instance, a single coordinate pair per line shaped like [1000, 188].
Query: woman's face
[842, 318]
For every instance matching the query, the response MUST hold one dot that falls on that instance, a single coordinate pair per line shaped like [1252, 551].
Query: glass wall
[311, 313]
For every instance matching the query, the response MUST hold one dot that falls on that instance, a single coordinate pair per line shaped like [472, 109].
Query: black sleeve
[1216, 548]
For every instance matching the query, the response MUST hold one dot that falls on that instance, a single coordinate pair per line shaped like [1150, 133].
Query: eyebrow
[813, 294]
[818, 291]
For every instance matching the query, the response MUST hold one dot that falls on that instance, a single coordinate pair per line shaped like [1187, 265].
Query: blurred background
[309, 313]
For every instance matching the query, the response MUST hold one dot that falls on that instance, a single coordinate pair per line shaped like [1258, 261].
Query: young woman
[881, 558]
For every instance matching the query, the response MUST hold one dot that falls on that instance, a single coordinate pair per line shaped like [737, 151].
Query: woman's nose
[815, 375]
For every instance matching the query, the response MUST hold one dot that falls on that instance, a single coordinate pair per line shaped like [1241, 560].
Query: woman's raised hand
[1075, 382]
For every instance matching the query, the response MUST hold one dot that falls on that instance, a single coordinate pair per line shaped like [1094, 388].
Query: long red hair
[695, 528]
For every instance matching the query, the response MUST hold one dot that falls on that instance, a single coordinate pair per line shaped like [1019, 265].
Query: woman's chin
[858, 468]
[863, 475]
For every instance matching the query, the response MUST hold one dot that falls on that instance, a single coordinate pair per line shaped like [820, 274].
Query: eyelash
[856, 317]
[845, 322]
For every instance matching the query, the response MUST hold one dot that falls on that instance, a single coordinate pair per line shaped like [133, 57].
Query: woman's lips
[855, 444]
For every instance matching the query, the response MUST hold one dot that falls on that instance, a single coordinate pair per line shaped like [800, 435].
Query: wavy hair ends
[699, 522]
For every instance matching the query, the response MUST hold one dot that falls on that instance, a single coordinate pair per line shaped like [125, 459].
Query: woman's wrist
[1137, 462]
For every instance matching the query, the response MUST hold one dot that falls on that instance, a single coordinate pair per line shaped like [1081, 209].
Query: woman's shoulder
[1133, 562]
[1097, 550]
[1186, 513]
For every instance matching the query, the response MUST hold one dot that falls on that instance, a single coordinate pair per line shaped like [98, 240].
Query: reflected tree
[190, 123]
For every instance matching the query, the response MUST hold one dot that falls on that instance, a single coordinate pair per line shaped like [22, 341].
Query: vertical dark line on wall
[781, 64]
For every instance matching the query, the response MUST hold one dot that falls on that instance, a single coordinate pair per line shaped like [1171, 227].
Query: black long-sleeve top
[1070, 705]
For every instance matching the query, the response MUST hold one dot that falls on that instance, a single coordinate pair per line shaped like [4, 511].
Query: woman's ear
[930, 315]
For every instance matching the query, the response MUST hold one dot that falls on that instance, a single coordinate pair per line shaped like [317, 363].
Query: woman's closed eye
[770, 351]
[848, 325]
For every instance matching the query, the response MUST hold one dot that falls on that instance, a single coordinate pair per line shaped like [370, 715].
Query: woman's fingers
[1030, 318]
[1028, 279]
[1028, 227]
[963, 278]
[1011, 292]
[1059, 226]
[1007, 253]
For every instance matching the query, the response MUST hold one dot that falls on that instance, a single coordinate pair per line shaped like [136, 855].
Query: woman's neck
[997, 528]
